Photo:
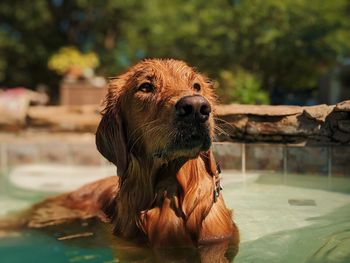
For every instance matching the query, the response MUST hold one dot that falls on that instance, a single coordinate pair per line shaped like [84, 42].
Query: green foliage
[241, 86]
[288, 43]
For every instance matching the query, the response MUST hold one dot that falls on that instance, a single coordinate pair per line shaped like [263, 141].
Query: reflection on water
[92, 241]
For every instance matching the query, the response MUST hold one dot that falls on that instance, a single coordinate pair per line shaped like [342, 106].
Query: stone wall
[314, 125]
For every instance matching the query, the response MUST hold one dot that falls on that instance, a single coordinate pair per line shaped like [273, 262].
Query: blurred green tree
[284, 45]
[241, 86]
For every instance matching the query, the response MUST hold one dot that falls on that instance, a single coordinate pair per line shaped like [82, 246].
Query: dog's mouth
[188, 141]
[192, 137]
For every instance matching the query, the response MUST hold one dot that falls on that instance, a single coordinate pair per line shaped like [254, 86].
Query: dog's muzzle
[192, 123]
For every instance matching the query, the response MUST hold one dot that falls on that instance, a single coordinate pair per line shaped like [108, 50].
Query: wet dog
[157, 127]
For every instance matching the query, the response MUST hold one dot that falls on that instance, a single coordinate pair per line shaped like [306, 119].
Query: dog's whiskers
[141, 127]
[154, 129]
[222, 120]
[162, 153]
[220, 130]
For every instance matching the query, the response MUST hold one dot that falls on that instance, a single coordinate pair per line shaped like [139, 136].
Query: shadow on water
[93, 241]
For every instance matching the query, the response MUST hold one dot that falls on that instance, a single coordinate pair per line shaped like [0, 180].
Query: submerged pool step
[56, 178]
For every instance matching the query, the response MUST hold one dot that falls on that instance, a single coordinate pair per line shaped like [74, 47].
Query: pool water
[300, 218]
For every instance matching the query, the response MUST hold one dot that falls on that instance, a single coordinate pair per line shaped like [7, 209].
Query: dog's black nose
[193, 107]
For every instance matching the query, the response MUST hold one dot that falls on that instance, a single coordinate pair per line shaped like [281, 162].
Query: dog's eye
[197, 86]
[146, 87]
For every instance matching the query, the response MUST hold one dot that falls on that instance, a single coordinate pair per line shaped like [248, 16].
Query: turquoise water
[281, 219]
[303, 219]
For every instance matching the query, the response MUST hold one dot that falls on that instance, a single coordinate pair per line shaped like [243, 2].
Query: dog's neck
[180, 190]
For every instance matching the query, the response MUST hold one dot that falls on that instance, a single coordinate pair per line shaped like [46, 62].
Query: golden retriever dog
[157, 128]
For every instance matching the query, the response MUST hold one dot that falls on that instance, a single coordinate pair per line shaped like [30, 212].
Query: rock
[232, 122]
[261, 110]
[319, 112]
[343, 106]
[317, 125]
[335, 117]
[344, 125]
[341, 136]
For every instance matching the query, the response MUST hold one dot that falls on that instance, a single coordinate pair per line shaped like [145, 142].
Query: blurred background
[258, 52]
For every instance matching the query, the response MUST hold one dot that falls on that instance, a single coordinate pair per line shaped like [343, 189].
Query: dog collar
[216, 182]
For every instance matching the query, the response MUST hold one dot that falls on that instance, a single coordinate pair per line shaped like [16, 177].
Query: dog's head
[158, 108]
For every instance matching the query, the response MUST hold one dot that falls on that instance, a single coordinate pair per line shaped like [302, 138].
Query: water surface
[281, 219]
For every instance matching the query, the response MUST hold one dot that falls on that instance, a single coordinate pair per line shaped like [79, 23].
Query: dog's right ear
[111, 140]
